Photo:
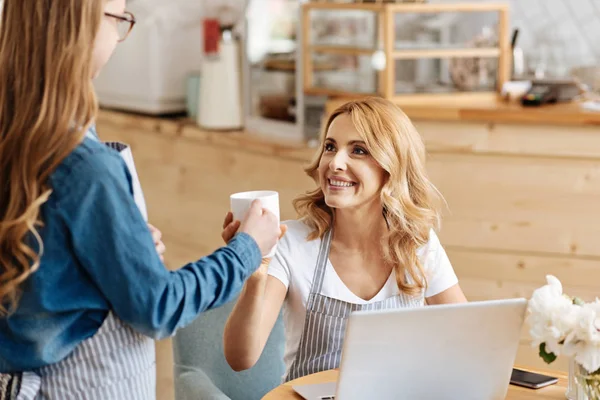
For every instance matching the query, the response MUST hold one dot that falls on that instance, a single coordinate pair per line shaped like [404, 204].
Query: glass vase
[582, 384]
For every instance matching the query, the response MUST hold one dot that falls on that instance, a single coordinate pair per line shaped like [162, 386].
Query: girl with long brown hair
[82, 286]
[365, 240]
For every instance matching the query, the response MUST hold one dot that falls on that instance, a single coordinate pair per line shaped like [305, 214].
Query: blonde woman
[365, 240]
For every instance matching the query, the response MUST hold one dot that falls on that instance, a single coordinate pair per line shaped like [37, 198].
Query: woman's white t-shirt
[294, 265]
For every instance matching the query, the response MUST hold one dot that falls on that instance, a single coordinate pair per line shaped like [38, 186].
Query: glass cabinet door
[340, 49]
[404, 51]
[270, 65]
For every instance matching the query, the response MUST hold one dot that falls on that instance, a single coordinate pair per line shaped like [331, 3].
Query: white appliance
[149, 70]
[453, 351]
[220, 104]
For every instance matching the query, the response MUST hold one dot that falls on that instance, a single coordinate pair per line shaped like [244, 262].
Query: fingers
[268, 213]
[230, 230]
[230, 227]
[160, 248]
[156, 234]
[283, 229]
[255, 207]
[265, 261]
[264, 264]
[156, 239]
[228, 219]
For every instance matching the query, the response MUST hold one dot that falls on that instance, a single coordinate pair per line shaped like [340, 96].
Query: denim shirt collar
[92, 134]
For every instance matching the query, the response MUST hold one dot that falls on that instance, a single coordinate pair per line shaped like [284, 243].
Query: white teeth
[340, 183]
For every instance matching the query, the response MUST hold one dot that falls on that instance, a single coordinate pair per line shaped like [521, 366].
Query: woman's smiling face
[349, 176]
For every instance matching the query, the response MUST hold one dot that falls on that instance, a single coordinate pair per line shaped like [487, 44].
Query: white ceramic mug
[241, 202]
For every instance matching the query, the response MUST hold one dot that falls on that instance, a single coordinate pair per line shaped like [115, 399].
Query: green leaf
[577, 301]
[545, 355]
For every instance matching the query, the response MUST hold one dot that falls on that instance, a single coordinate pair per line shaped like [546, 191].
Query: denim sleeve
[113, 244]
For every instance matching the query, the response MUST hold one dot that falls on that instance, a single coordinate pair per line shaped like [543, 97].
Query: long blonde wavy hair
[47, 102]
[411, 203]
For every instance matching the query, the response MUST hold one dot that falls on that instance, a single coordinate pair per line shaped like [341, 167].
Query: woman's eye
[329, 147]
[360, 151]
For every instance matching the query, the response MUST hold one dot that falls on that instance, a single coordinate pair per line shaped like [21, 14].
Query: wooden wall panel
[518, 203]
[530, 140]
[524, 272]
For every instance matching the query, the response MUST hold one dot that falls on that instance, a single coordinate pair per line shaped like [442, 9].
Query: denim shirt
[99, 256]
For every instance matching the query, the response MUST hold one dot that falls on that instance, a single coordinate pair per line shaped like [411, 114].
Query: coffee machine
[220, 93]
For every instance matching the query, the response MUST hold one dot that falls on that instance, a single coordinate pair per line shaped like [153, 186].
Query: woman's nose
[338, 162]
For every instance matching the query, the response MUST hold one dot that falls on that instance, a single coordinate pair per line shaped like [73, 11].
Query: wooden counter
[184, 128]
[484, 109]
[523, 198]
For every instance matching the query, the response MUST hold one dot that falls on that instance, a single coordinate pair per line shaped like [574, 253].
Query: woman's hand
[230, 228]
[158, 244]
[261, 272]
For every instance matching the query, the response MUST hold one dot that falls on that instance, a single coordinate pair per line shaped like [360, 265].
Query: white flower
[583, 342]
[551, 315]
[566, 328]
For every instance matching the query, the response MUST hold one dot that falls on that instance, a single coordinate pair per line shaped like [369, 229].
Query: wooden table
[557, 391]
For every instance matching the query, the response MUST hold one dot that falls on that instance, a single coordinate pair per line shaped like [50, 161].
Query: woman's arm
[453, 294]
[255, 313]
[442, 282]
[252, 319]
[112, 242]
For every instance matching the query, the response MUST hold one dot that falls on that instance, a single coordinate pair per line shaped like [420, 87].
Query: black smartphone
[531, 379]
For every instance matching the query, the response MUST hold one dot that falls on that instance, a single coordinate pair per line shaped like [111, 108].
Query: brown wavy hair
[47, 102]
[411, 203]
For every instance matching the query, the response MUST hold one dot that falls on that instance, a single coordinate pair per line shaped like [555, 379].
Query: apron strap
[30, 386]
[19, 386]
[118, 146]
[7, 383]
[138, 195]
[321, 267]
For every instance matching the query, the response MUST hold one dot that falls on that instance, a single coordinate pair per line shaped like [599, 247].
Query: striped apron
[320, 347]
[117, 363]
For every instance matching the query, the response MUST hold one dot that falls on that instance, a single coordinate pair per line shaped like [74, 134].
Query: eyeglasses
[125, 23]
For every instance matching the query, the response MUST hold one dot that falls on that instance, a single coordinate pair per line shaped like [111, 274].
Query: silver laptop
[456, 351]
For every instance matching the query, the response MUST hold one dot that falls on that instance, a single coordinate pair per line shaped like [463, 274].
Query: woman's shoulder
[88, 160]
[432, 245]
[91, 156]
[297, 228]
[91, 162]
[296, 236]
